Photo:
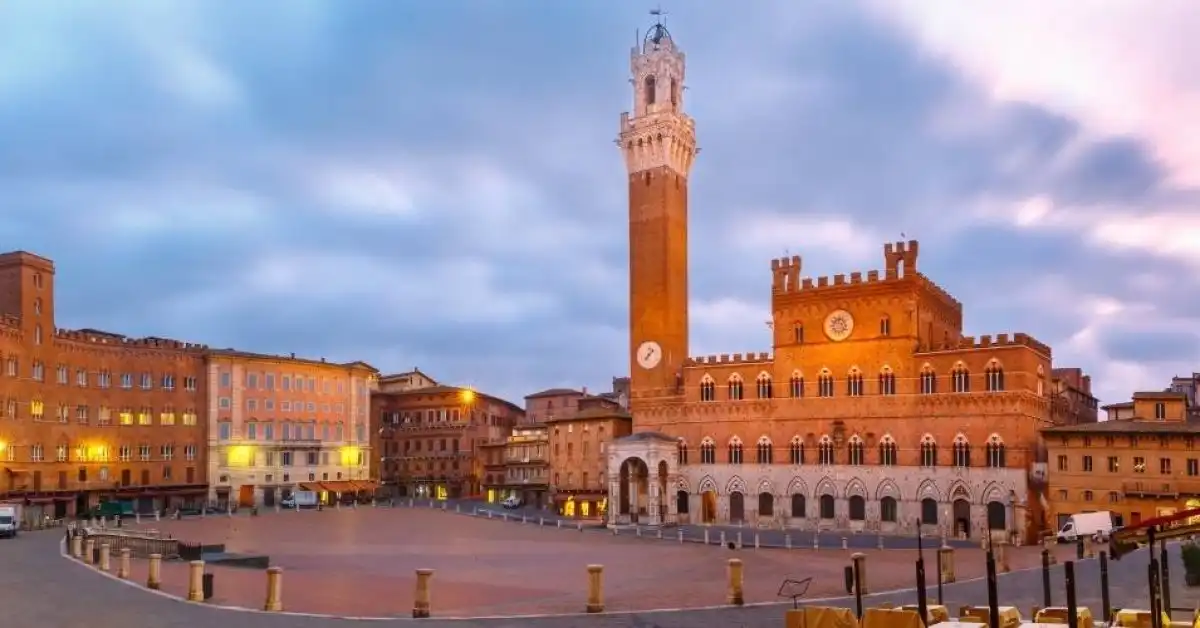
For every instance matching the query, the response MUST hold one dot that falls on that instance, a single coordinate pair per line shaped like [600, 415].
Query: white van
[1086, 524]
[9, 520]
[300, 499]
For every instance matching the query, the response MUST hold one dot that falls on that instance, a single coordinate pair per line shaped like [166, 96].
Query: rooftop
[1127, 426]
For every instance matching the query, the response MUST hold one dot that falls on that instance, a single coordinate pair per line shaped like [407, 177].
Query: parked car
[512, 503]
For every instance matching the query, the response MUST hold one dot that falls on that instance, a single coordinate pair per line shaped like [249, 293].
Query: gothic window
[798, 333]
[764, 386]
[995, 452]
[885, 326]
[798, 506]
[735, 387]
[825, 384]
[708, 451]
[681, 451]
[887, 381]
[765, 451]
[796, 451]
[651, 88]
[888, 509]
[961, 379]
[858, 508]
[825, 451]
[928, 451]
[962, 451]
[928, 381]
[994, 377]
[887, 451]
[855, 450]
[854, 383]
[708, 389]
[735, 450]
[674, 92]
[796, 385]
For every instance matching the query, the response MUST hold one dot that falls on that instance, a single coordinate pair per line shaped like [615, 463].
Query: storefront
[581, 505]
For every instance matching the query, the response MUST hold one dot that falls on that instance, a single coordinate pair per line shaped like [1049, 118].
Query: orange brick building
[874, 410]
[1140, 464]
[430, 436]
[578, 464]
[88, 415]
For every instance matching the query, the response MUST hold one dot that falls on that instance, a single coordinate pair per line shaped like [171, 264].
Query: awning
[12, 471]
[315, 487]
[366, 485]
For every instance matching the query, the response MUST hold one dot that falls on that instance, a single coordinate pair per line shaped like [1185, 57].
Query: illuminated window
[145, 417]
[37, 410]
[166, 418]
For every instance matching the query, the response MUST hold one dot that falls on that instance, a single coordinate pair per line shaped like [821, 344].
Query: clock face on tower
[838, 325]
[649, 354]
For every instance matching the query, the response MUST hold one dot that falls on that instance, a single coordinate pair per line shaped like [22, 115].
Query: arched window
[885, 326]
[887, 451]
[796, 451]
[37, 335]
[798, 333]
[827, 506]
[764, 386]
[854, 384]
[855, 450]
[825, 384]
[735, 450]
[825, 451]
[681, 451]
[993, 377]
[765, 451]
[651, 89]
[962, 451]
[708, 389]
[961, 379]
[735, 387]
[798, 506]
[888, 509]
[928, 381]
[928, 451]
[674, 92]
[796, 385]
[37, 305]
[858, 508]
[929, 511]
[708, 451]
[995, 452]
[887, 381]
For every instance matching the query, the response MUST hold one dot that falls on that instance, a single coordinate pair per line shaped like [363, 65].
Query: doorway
[708, 506]
[737, 507]
[246, 495]
[962, 518]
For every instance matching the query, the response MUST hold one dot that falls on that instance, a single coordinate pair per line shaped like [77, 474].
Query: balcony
[531, 459]
[528, 481]
[1150, 488]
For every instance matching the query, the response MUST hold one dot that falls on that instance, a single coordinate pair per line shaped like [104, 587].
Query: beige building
[1139, 464]
[518, 466]
[579, 458]
[281, 423]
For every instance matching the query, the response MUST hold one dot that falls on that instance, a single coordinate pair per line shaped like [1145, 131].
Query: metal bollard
[196, 581]
[595, 594]
[274, 600]
[421, 595]
[123, 564]
[736, 581]
[154, 572]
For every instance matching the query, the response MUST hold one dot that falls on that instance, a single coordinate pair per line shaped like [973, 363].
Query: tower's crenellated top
[657, 133]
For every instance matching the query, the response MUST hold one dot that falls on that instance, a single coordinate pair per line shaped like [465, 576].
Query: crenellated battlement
[96, 337]
[727, 359]
[971, 343]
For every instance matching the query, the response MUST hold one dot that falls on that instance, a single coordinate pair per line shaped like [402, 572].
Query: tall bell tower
[659, 144]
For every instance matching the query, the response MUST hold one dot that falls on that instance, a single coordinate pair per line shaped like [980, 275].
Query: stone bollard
[504, 517]
[410, 503]
[756, 545]
[77, 546]
[722, 538]
[157, 516]
[337, 505]
[706, 536]
[816, 540]
[880, 545]
[105, 557]
[196, 581]
[638, 531]
[739, 540]
[541, 521]
[559, 523]
[1049, 543]
[154, 572]
[845, 543]
[103, 522]
[736, 580]
[614, 530]
[1001, 551]
[595, 591]
[1089, 548]
[946, 562]
[274, 590]
[680, 532]
[489, 514]
[522, 518]
[421, 595]
[89, 551]
[860, 566]
[457, 507]
[137, 518]
[787, 541]
[123, 564]
[660, 533]
[579, 525]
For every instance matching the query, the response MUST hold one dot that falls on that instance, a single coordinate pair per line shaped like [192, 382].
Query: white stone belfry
[658, 134]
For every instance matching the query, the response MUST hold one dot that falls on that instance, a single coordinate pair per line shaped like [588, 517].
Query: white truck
[300, 499]
[1086, 524]
[10, 519]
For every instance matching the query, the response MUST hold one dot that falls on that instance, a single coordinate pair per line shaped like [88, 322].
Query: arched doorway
[737, 507]
[681, 502]
[858, 508]
[996, 517]
[708, 506]
[827, 506]
[766, 505]
[962, 518]
[635, 489]
[929, 511]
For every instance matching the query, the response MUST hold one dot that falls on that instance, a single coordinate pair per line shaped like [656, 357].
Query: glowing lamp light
[349, 456]
[3, 445]
[240, 455]
[467, 395]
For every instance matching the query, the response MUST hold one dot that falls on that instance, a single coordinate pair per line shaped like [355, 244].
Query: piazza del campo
[875, 455]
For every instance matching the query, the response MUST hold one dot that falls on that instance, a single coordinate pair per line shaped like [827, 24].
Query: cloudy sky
[435, 183]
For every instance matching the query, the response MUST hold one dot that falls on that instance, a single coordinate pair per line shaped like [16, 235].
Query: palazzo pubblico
[872, 413]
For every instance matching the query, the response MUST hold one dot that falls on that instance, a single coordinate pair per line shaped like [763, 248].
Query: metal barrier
[139, 545]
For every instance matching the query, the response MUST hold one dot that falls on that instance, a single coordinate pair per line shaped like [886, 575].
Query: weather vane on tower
[659, 15]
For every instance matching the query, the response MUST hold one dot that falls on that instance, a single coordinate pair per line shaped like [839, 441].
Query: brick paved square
[361, 563]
